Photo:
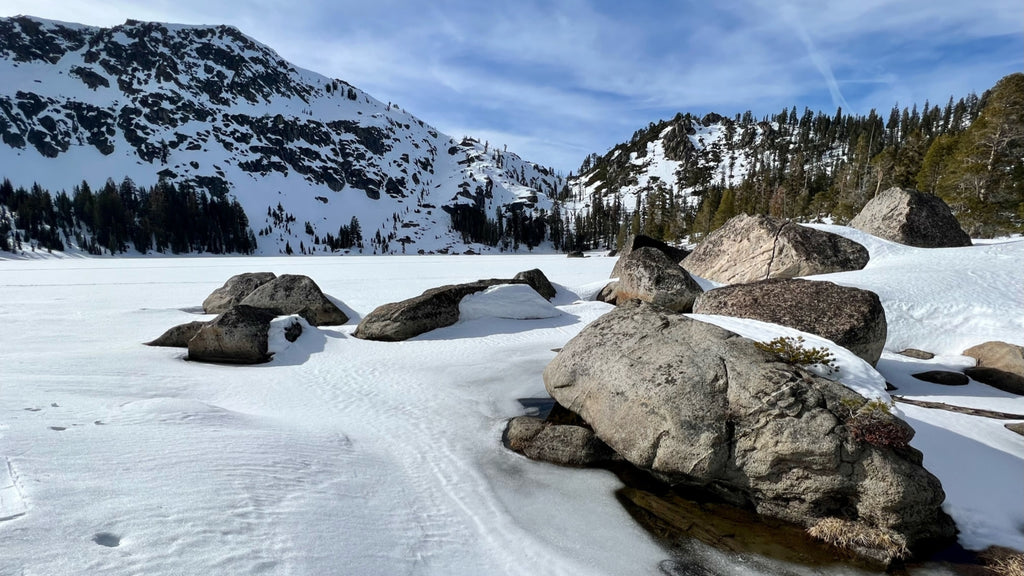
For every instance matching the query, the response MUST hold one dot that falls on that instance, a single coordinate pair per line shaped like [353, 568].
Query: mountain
[681, 178]
[210, 116]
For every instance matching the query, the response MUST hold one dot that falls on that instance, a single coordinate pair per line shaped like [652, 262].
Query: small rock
[1017, 427]
[918, 354]
[649, 275]
[943, 377]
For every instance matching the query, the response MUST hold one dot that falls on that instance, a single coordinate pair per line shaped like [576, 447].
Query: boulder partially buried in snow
[912, 218]
[538, 281]
[234, 291]
[178, 336]
[638, 241]
[238, 336]
[296, 294]
[649, 275]
[851, 317]
[750, 248]
[699, 405]
[1000, 365]
[435, 308]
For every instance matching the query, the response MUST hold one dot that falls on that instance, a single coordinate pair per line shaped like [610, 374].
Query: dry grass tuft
[1003, 561]
[850, 535]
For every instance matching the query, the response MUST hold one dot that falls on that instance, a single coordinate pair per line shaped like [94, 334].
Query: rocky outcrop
[750, 248]
[238, 336]
[638, 241]
[850, 317]
[296, 294]
[435, 308]
[1000, 365]
[912, 218]
[567, 445]
[538, 281]
[178, 336]
[698, 405]
[234, 291]
[649, 275]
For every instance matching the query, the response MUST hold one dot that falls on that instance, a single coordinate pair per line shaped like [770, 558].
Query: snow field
[344, 456]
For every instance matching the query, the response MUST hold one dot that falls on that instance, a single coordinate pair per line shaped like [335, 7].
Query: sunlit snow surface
[343, 456]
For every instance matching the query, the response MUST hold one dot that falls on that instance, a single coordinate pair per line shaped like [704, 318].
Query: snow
[513, 301]
[344, 456]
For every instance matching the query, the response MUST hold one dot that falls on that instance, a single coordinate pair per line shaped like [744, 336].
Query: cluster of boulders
[245, 306]
[696, 405]
[247, 303]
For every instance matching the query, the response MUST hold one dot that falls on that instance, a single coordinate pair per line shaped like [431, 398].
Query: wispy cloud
[557, 79]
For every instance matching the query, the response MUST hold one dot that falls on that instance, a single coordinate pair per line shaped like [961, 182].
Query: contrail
[816, 57]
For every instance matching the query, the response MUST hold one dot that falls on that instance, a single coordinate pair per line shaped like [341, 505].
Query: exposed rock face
[912, 218]
[435, 308]
[696, 404]
[750, 248]
[234, 291]
[538, 281]
[1000, 365]
[296, 294]
[238, 336]
[850, 317]
[650, 275]
[640, 241]
[559, 444]
[178, 336]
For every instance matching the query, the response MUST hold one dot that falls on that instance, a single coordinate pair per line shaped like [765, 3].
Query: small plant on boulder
[873, 422]
[792, 350]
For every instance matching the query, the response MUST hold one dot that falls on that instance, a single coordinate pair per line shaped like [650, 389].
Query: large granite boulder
[1000, 365]
[750, 248]
[649, 275]
[238, 336]
[234, 291]
[178, 336]
[850, 317]
[296, 294]
[698, 405]
[638, 241]
[538, 281]
[912, 218]
[435, 308]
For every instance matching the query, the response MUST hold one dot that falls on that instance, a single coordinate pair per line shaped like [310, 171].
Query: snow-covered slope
[211, 107]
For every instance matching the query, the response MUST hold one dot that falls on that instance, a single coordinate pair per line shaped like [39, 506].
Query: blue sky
[558, 80]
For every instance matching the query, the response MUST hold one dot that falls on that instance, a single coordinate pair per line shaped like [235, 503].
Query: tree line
[166, 217]
[812, 166]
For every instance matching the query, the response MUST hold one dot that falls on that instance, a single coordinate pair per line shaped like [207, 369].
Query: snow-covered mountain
[210, 108]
